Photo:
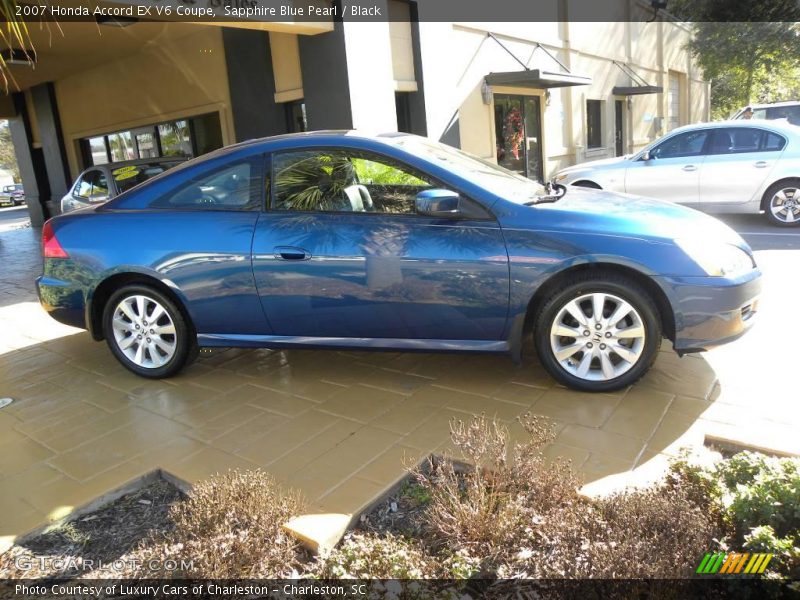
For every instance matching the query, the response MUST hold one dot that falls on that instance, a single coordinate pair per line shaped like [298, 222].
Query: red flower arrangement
[514, 131]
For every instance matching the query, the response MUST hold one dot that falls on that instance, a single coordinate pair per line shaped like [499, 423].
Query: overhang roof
[637, 90]
[537, 79]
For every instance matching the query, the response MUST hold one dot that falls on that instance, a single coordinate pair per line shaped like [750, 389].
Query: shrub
[757, 497]
[520, 516]
[230, 527]
[368, 556]
[484, 507]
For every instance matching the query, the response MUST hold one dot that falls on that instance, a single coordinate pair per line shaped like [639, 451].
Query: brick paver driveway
[337, 425]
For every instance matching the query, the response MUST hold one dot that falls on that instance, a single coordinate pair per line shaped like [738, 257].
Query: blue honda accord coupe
[342, 240]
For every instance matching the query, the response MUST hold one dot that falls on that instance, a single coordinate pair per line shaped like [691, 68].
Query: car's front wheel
[598, 333]
[782, 202]
[147, 332]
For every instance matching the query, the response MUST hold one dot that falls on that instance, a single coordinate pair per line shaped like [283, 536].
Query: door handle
[761, 164]
[690, 168]
[291, 253]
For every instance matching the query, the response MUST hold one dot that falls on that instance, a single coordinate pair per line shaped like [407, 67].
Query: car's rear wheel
[598, 333]
[782, 203]
[147, 332]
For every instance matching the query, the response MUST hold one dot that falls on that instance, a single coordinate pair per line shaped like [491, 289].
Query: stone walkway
[337, 425]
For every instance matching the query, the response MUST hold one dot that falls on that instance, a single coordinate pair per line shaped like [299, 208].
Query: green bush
[757, 499]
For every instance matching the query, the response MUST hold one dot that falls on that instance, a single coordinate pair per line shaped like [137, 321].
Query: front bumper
[711, 311]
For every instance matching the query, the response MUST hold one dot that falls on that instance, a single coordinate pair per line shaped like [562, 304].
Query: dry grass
[230, 527]
[515, 514]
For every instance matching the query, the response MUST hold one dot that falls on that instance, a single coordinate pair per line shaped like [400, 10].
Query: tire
[156, 356]
[578, 362]
[775, 198]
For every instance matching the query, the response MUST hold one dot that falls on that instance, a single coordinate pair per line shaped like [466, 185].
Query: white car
[727, 167]
[777, 110]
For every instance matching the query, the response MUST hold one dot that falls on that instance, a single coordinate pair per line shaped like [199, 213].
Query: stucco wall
[453, 80]
[172, 79]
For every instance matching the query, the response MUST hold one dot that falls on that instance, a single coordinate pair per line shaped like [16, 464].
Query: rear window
[130, 175]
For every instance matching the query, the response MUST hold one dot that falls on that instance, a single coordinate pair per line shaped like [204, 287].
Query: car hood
[611, 213]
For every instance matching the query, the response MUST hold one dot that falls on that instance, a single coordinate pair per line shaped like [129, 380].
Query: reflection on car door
[738, 163]
[343, 253]
[673, 171]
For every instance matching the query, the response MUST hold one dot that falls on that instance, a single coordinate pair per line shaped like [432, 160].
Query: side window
[235, 186]
[83, 189]
[790, 113]
[689, 143]
[344, 181]
[92, 184]
[99, 184]
[773, 142]
[735, 140]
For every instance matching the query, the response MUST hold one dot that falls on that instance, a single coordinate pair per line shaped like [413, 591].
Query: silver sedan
[725, 167]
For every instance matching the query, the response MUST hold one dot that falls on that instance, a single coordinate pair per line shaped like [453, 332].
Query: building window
[98, 150]
[175, 139]
[296, 121]
[121, 145]
[594, 123]
[183, 137]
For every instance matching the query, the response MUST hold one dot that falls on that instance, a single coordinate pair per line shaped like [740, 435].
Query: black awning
[536, 78]
[637, 90]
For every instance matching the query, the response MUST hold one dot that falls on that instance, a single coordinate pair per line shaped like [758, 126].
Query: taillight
[50, 246]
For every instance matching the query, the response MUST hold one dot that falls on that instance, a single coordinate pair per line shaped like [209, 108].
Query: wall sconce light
[486, 93]
[547, 97]
[629, 101]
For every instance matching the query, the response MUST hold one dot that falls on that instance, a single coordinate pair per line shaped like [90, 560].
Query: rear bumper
[63, 301]
[711, 311]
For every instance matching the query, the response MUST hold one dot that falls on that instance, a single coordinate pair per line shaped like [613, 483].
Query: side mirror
[647, 156]
[444, 204]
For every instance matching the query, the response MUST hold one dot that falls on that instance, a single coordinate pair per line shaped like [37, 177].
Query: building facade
[533, 97]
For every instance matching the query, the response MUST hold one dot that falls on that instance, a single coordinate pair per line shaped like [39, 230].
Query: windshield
[495, 179]
[131, 175]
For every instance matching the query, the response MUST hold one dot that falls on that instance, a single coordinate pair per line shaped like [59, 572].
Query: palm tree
[13, 35]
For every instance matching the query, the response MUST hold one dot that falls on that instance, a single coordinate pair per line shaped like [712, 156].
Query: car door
[673, 169]
[342, 254]
[198, 236]
[738, 162]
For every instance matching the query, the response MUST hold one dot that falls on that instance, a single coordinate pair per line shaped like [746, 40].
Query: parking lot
[340, 426]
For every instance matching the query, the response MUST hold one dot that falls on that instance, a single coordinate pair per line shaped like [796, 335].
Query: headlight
[716, 258]
[560, 177]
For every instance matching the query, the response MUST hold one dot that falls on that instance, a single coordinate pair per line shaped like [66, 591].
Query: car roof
[774, 104]
[139, 161]
[778, 125]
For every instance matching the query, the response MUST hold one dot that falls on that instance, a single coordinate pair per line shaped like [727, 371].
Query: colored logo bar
[733, 563]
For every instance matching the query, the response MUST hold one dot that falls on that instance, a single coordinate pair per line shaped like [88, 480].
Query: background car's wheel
[147, 332]
[598, 333]
[782, 203]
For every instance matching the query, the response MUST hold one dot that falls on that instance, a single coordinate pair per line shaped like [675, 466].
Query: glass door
[518, 134]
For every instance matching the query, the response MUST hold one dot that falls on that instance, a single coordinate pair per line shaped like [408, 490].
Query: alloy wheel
[597, 336]
[144, 331]
[785, 205]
